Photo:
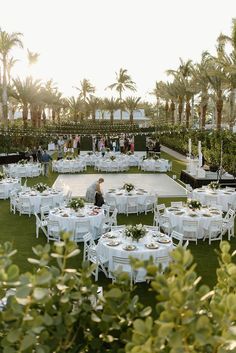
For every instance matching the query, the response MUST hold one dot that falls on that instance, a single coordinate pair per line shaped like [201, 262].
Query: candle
[189, 147]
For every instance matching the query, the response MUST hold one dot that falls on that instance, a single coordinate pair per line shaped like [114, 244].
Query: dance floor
[162, 184]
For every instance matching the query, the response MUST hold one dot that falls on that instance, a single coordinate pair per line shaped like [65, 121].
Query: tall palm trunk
[232, 107]
[53, 115]
[4, 91]
[44, 117]
[180, 108]
[25, 115]
[121, 117]
[172, 112]
[166, 112]
[93, 115]
[219, 108]
[112, 117]
[39, 115]
[131, 117]
[187, 112]
[203, 115]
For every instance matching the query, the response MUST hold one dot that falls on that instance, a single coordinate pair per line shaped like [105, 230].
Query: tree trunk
[203, 116]
[44, 117]
[93, 115]
[219, 107]
[232, 108]
[188, 113]
[4, 91]
[25, 115]
[121, 118]
[112, 116]
[53, 115]
[180, 109]
[131, 117]
[166, 112]
[172, 112]
[39, 115]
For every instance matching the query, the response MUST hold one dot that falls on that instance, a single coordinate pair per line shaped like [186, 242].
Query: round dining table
[153, 165]
[221, 197]
[204, 216]
[67, 217]
[115, 243]
[50, 196]
[7, 185]
[121, 196]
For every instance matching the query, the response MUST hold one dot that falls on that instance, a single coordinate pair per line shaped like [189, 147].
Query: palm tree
[111, 105]
[93, 103]
[131, 104]
[25, 92]
[123, 82]
[32, 57]
[10, 63]
[228, 62]
[85, 88]
[76, 108]
[7, 42]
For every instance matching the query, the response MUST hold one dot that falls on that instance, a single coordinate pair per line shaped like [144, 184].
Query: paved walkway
[173, 153]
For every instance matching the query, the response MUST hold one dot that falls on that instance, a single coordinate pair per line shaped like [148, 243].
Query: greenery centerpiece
[129, 153]
[112, 158]
[194, 204]
[135, 232]
[2, 175]
[22, 161]
[40, 187]
[144, 158]
[214, 185]
[128, 187]
[77, 203]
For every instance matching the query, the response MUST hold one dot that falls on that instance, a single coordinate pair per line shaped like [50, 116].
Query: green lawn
[20, 230]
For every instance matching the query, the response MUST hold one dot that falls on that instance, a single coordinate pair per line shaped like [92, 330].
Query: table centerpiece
[128, 187]
[194, 205]
[2, 176]
[76, 204]
[135, 232]
[40, 187]
[214, 185]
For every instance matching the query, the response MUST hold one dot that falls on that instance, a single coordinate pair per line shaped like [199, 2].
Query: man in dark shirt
[46, 158]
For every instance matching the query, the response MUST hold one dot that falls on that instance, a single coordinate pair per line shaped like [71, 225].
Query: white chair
[176, 204]
[185, 244]
[111, 201]
[132, 205]
[228, 223]
[14, 200]
[122, 264]
[160, 209]
[82, 227]
[214, 231]
[162, 260]
[148, 205]
[190, 230]
[164, 224]
[53, 231]
[24, 206]
[88, 243]
[113, 218]
[46, 201]
[40, 224]
[106, 211]
[100, 262]
[68, 197]
[177, 238]
[44, 212]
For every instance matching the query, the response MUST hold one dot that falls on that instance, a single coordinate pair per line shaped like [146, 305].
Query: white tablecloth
[24, 171]
[221, 197]
[121, 196]
[141, 252]
[69, 166]
[203, 217]
[8, 184]
[68, 217]
[152, 165]
[36, 198]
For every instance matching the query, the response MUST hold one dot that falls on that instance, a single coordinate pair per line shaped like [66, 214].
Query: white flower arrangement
[135, 232]
[40, 187]
[194, 204]
[214, 185]
[128, 187]
[77, 203]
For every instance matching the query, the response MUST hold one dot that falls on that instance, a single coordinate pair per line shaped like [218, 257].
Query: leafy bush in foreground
[57, 309]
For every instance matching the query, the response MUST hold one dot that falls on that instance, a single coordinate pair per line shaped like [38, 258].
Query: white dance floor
[162, 184]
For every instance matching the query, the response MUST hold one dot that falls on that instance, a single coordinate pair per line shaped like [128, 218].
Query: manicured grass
[20, 230]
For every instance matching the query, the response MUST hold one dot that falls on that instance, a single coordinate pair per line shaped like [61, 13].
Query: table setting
[154, 165]
[7, 185]
[138, 241]
[193, 210]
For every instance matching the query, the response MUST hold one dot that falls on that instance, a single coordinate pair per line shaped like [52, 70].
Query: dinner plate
[65, 215]
[163, 241]
[179, 213]
[206, 215]
[113, 243]
[192, 215]
[215, 212]
[129, 247]
[152, 246]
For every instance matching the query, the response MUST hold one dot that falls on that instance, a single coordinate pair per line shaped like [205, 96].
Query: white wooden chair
[177, 238]
[132, 205]
[53, 231]
[190, 230]
[82, 227]
[88, 243]
[176, 204]
[100, 262]
[40, 224]
[214, 231]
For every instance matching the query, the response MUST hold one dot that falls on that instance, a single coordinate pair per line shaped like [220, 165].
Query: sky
[93, 39]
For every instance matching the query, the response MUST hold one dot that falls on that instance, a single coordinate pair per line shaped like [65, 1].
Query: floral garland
[194, 204]
[128, 187]
[135, 232]
[214, 185]
[77, 203]
[40, 187]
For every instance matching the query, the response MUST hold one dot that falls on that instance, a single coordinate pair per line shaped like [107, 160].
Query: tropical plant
[32, 57]
[85, 88]
[111, 104]
[123, 82]
[131, 104]
[7, 42]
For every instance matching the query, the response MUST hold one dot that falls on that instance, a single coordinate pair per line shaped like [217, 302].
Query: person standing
[46, 158]
[93, 190]
[122, 144]
[39, 154]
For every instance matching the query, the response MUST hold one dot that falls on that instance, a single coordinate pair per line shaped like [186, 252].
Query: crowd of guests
[122, 144]
[152, 146]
